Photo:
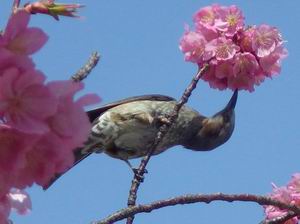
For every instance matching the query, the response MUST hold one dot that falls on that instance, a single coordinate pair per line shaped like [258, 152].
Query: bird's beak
[232, 102]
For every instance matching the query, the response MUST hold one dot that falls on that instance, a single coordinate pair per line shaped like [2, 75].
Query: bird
[126, 129]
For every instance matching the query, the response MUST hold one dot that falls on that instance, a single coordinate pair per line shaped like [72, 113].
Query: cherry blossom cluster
[40, 123]
[239, 57]
[289, 194]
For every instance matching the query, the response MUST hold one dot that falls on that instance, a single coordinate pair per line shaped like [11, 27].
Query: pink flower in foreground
[255, 53]
[53, 9]
[40, 124]
[13, 148]
[42, 161]
[4, 209]
[25, 102]
[19, 201]
[70, 121]
[20, 39]
[69, 127]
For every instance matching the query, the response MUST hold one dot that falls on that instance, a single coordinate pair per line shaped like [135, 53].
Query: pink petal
[88, 99]
[20, 201]
[29, 78]
[28, 42]
[6, 83]
[4, 208]
[28, 124]
[16, 24]
[39, 102]
[65, 88]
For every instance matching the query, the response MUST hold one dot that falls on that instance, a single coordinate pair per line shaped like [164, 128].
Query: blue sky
[138, 41]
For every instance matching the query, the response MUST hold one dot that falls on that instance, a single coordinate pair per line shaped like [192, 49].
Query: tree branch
[15, 6]
[84, 71]
[138, 177]
[281, 219]
[195, 198]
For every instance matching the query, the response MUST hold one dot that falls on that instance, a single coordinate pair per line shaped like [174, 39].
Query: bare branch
[83, 72]
[138, 177]
[15, 6]
[195, 198]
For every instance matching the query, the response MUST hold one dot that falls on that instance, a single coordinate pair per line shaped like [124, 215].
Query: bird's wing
[93, 114]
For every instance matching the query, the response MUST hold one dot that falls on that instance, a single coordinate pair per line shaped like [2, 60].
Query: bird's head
[215, 130]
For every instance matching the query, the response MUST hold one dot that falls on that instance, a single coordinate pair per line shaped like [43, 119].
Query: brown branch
[195, 198]
[138, 177]
[281, 219]
[84, 71]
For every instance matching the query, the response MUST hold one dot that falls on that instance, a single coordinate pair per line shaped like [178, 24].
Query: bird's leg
[136, 171]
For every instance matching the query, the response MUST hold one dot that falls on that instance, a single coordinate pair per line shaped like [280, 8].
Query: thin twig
[83, 72]
[138, 177]
[281, 219]
[195, 198]
[15, 6]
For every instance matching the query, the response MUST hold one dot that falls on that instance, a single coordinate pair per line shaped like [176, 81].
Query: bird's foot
[139, 176]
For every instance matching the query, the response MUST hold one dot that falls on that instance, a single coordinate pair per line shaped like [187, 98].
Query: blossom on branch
[40, 123]
[289, 194]
[20, 39]
[239, 57]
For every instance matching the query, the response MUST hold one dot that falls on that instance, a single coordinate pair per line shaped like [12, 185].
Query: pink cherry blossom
[15, 199]
[8, 61]
[289, 194]
[25, 102]
[214, 81]
[223, 49]
[206, 22]
[206, 16]
[19, 201]
[4, 209]
[244, 70]
[253, 53]
[271, 64]
[70, 115]
[245, 38]
[193, 46]
[233, 17]
[265, 40]
[294, 184]
[42, 161]
[281, 194]
[19, 39]
[13, 148]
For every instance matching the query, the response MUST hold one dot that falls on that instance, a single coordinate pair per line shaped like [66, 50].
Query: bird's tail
[79, 156]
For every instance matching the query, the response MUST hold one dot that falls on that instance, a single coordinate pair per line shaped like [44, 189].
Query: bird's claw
[139, 176]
